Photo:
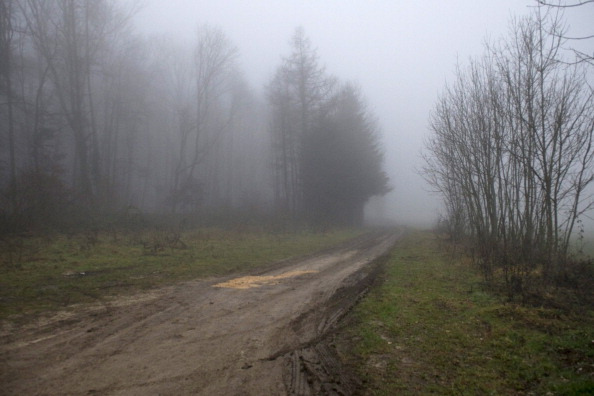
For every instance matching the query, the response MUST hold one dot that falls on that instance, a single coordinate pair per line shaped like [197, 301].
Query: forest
[98, 122]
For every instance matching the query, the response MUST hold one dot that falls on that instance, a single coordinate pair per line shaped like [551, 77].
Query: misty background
[401, 54]
[106, 105]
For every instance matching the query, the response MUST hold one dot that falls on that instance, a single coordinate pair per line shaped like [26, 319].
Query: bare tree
[285, 142]
[204, 109]
[7, 33]
[512, 154]
[561, 6]
[70, 37]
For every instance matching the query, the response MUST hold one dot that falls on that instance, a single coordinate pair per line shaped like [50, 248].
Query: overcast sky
[401, 53]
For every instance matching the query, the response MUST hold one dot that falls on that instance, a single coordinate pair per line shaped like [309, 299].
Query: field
[431, 328]
[47, 273]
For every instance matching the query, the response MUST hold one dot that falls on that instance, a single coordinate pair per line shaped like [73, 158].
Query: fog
[401, 53]
[119, 115]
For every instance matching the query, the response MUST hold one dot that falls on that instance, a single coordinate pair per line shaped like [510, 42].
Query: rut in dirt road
[251, 335]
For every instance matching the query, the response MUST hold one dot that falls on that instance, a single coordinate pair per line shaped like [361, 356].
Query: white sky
[401, 53]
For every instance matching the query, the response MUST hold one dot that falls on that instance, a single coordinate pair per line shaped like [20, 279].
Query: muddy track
[263, 334]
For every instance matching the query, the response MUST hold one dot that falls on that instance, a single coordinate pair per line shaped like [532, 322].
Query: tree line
[327, 160]
[96, 118]
[511, 153]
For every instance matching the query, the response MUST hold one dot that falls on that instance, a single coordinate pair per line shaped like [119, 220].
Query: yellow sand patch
[247, 282]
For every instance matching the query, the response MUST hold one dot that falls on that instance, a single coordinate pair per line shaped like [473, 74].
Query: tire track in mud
[315, 368]
[272, 337]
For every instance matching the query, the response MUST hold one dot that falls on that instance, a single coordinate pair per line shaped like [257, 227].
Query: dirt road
[254, 335]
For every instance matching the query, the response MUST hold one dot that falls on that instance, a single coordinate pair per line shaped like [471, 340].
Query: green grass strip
[431, 328]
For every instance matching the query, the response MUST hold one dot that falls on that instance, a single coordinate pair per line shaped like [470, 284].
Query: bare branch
[563, 5]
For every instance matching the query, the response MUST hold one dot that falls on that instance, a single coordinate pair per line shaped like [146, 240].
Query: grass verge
[47, 273]
[430, 328]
